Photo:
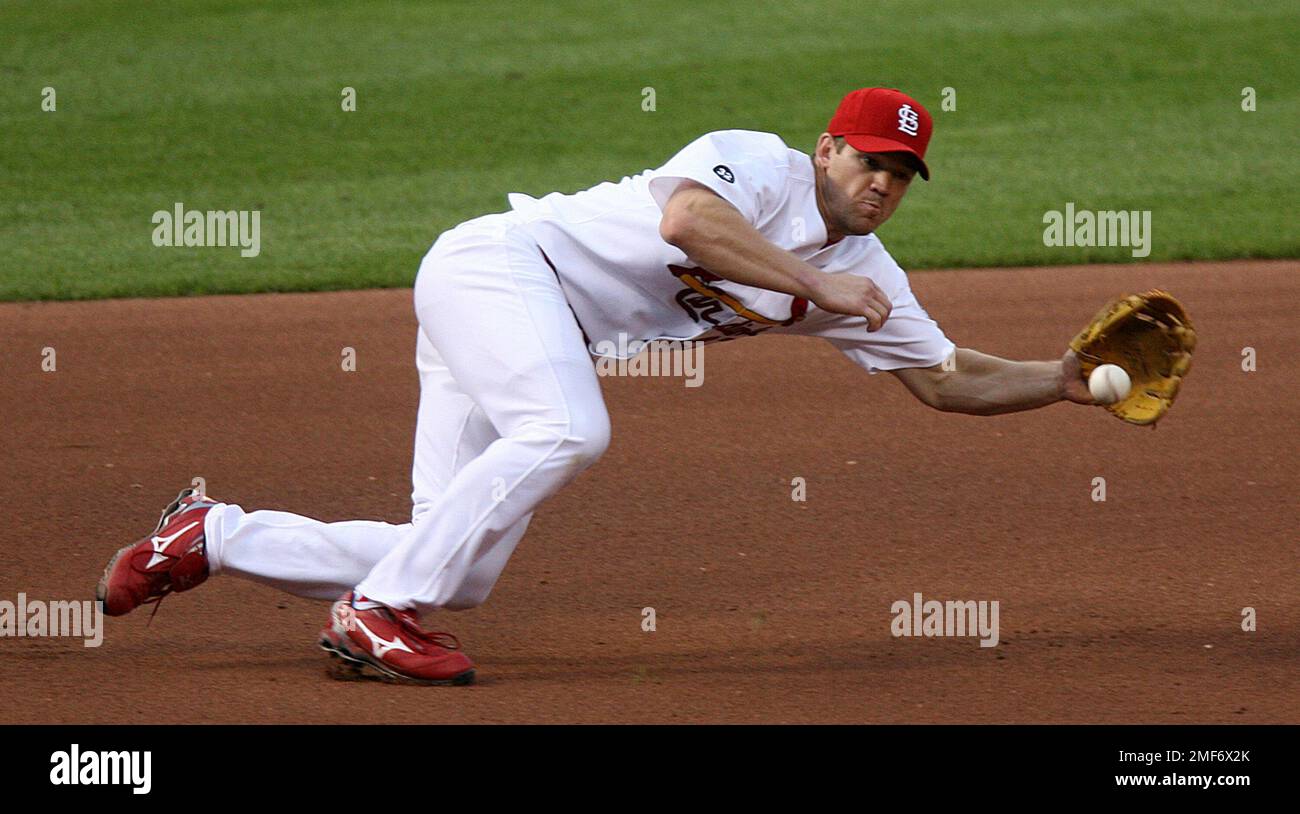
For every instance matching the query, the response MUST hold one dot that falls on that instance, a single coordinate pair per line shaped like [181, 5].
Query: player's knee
[587, 440]
[575, 441]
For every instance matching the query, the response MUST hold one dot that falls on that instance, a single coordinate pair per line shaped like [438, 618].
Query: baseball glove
[1151, 337]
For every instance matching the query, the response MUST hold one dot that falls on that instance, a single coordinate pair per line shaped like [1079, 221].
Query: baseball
[1109, 384]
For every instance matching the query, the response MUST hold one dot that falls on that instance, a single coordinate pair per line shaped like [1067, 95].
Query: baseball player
[735, 235]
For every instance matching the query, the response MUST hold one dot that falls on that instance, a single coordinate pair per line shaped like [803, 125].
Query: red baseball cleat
[171, 560]
[364, 634]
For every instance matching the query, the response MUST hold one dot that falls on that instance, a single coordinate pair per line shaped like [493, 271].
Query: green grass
[229, 105]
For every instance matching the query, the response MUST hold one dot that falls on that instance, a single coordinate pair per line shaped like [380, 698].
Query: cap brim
[876, 144]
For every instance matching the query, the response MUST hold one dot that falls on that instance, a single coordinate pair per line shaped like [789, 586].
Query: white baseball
[1109, 384]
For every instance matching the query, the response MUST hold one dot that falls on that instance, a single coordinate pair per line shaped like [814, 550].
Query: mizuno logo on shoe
[160, 545]
[381, 645]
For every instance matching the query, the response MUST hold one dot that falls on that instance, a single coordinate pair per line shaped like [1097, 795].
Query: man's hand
[845, 293]
[1073, 386]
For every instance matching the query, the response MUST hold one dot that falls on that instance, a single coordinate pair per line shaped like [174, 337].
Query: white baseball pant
[510, 411]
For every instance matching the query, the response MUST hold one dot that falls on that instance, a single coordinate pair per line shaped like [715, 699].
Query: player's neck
[819, 184]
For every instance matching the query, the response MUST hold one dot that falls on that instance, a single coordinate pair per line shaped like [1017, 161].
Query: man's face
[858, 191]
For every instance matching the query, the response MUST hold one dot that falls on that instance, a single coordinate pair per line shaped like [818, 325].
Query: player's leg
[199, 537]
[310, 558]
[321, 560]
[493, 309]
[297, 554]
[440, 454]
[450, 429]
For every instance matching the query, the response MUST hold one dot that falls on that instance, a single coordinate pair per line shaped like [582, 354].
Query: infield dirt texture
[767, 609]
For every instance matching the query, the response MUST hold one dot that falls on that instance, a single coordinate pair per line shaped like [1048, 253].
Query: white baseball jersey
[620, 276]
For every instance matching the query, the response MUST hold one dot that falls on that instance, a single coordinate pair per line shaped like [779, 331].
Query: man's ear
[822, 152]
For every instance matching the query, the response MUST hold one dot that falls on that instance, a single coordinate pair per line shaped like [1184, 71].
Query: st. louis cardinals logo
[709, 304]
[908, 120]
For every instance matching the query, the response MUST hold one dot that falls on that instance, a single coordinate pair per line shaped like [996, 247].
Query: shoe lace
[438, 638]
[164, 591]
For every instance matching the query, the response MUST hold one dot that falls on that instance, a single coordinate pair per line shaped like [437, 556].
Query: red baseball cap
[884, 120]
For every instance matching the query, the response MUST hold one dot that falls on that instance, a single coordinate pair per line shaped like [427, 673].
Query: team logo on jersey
[908, 120]
[724, 172]
[710, 305]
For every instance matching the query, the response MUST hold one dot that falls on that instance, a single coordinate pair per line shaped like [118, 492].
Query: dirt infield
[768, 609]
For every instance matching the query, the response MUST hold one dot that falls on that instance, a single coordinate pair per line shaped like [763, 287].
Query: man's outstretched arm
[980, 384]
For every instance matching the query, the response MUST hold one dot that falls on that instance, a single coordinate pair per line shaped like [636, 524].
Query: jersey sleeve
[747, 169]
[909, 338]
